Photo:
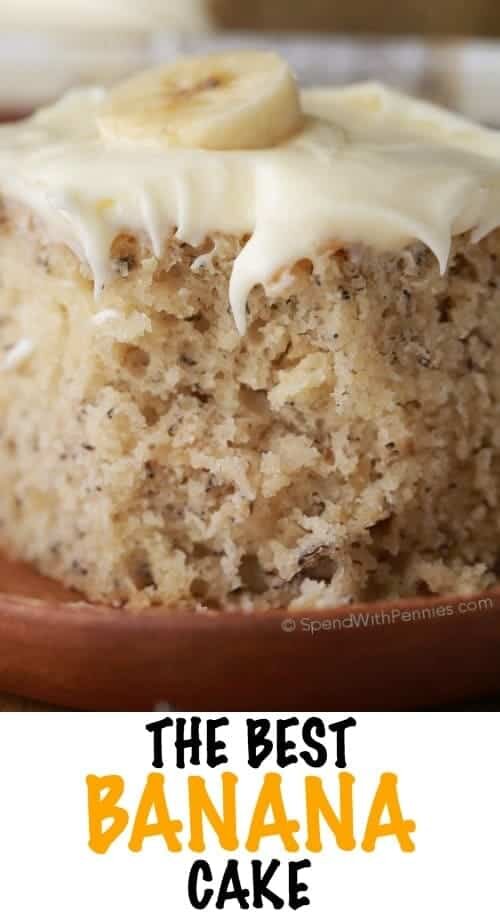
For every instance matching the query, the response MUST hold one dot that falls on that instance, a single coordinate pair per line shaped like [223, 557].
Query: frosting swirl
[370, 166]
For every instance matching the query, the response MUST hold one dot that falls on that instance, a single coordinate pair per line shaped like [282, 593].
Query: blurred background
[445, 50]
[442, 17]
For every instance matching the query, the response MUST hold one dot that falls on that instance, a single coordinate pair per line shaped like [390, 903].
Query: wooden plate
[56, 648]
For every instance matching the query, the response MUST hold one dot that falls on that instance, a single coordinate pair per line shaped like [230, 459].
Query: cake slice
[250, 342]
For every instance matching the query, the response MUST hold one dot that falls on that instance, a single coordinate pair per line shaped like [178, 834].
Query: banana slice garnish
[238, 100]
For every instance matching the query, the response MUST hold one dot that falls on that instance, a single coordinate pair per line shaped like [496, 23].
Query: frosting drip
[370, 166]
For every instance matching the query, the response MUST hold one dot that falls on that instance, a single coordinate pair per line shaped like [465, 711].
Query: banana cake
[250, 341]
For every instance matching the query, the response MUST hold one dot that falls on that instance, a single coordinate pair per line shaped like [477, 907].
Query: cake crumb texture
[346, 448]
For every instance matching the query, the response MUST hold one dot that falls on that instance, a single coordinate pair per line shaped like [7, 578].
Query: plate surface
[56, 648]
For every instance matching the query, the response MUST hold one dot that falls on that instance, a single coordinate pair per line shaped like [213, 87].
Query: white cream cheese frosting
[369, 166]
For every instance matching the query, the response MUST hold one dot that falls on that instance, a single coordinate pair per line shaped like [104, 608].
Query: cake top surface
[360, 164]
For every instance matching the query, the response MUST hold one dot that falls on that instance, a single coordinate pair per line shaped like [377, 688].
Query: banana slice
[239, 100]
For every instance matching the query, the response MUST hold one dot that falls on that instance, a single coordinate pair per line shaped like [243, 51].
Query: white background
[449, 782]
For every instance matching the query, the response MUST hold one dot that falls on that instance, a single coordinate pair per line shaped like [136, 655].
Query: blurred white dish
[180, 15]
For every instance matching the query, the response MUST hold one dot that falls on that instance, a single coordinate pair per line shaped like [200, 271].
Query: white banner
[392, 813]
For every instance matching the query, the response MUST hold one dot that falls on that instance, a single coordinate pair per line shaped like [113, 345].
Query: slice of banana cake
[250, 341]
